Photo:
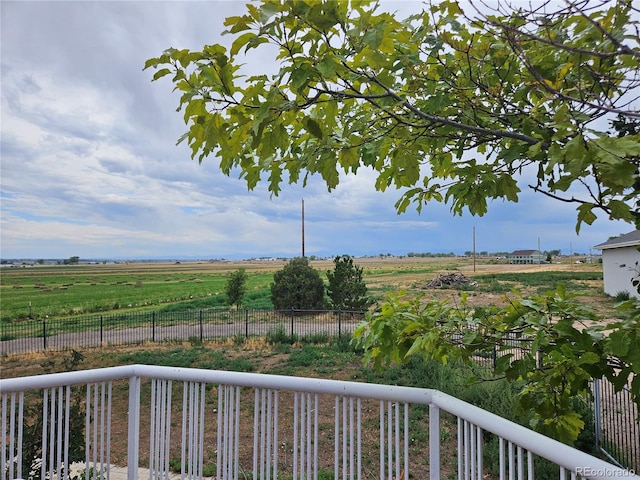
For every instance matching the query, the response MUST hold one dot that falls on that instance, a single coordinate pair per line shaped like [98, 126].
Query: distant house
[526, 257]
[620, 263]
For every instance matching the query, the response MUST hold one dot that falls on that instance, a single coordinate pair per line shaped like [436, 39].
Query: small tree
[297, 285]
[346, 289]
[236, 287]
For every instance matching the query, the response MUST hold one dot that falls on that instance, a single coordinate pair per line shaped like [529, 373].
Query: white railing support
[133, 437]
[434, 442]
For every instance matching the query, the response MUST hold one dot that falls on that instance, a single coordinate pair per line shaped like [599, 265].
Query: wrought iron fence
[615, 414]
[616, 424]
[134, 328]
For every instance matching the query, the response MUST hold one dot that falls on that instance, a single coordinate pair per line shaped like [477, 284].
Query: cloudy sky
[90, 165]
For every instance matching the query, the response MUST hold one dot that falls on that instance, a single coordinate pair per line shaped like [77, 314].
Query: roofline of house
[604, 246]
[630, 239]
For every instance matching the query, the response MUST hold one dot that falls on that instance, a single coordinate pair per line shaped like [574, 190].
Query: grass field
[41, 292]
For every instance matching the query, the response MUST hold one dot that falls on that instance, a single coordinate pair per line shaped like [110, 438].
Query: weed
[316, 338]
[343, 344]
[621, 296]
[305, 357]
[279, 336]
[208, 469]
[72, 362]
[178, 357]
[94, 474]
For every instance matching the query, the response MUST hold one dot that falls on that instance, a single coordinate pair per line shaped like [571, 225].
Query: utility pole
[303, 228]
[474, 248]
[539, 252]
[570, 252]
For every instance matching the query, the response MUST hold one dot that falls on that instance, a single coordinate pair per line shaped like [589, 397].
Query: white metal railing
[254, 415]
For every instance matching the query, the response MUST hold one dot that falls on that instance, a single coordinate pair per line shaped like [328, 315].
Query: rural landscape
[402, 125]
[42, 292]
[69, 292]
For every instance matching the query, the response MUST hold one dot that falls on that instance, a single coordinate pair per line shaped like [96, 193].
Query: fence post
[153, 326]
[539, 358]
[597, 409]
[495, 357]
[339, 322]
[246, 323]
[101, 331]
[293, 316]
[201, 328]
[44, 334]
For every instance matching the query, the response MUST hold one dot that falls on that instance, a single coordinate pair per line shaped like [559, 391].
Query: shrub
[279, 336]
[297, 285]
[346, 289]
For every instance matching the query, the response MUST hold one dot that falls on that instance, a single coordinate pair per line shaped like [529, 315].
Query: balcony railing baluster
[282, 415]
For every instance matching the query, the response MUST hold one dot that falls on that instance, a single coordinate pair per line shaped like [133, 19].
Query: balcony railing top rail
[518, 445]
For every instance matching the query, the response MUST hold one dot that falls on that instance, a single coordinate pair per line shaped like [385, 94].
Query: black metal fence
[615, 414]
[135, 328]
[616, 424]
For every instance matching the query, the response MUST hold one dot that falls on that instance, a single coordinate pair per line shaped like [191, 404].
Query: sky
[90, 166]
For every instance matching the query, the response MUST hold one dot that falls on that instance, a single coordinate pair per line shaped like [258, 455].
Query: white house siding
[618, 269]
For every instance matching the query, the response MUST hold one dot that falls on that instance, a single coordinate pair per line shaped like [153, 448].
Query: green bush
[298, 285]
[306, 356]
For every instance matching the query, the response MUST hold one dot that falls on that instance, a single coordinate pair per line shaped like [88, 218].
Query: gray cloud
[90, 166]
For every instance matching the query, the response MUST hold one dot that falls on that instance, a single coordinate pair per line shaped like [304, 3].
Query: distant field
[62, 291]
[84, 289]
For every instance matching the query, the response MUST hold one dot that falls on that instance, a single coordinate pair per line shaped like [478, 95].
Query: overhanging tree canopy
[451, 106]
[447, 105]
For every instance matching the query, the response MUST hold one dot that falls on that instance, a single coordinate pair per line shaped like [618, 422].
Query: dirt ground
[413, 279]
